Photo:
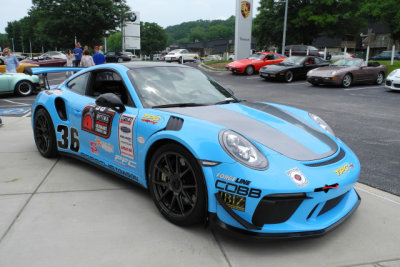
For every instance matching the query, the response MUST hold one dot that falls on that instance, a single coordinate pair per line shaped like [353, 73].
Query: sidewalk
[62, 212]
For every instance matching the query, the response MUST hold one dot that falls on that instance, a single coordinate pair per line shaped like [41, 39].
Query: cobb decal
[297, 177]
[245, 9]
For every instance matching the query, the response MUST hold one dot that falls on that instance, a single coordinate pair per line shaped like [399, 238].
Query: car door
[5, 83]
[110, 135]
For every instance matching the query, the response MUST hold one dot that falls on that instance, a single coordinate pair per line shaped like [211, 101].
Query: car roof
[140, 64]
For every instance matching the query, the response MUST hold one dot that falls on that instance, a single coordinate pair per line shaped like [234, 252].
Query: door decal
[97, 120]
[125, 135]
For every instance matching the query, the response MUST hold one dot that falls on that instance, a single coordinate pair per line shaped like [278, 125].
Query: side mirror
[110, 100]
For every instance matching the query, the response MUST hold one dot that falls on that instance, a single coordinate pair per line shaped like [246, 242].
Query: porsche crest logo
[245, 8]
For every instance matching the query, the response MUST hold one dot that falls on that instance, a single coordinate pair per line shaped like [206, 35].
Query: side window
[184, 51]
[107, 81]
[317, 60]
[79, 84]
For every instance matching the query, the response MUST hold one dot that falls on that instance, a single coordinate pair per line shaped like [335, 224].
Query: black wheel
[249, 70]
[176, 184]
[347, 79]
[43, 132]
[180, 60]
[379, 78]
[289, 76]
[23, 88]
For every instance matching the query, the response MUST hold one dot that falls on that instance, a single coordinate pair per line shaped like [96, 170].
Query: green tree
[384, 11]
[306, 20]
[60, 20]
[197, 34]
[114, 42]
[152, 38]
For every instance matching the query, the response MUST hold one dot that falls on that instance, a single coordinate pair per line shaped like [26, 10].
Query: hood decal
[261, 132]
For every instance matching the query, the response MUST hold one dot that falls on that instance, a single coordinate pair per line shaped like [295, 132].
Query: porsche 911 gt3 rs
[258, 168]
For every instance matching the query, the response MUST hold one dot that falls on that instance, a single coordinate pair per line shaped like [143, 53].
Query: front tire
[44, 135]
[249, 70]
[23, 88]
[176, 184]
[380, 78]
[347, 79]
[289, 76]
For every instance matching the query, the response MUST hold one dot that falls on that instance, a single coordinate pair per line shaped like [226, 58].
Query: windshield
[158, 86]
[312, 48]
[349, 62]
[256, 56]
[293, 61]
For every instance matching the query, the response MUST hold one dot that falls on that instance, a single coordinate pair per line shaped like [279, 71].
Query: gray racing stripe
[258, 131]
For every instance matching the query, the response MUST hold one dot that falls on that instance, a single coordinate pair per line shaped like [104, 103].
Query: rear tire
[24, 88]
[44, 135]
[379, 78]
[176, 184]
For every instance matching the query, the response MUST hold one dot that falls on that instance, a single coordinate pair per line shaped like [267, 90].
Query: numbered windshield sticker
[69, 138]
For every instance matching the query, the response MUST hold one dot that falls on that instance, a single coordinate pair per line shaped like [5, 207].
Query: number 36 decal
[65, 140]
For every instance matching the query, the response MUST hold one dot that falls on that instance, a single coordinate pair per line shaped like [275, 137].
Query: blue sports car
[262, 169]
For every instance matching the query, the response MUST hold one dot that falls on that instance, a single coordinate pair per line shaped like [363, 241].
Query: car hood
[328, 70]
[277, 67]
[242, 62]
[275, 128]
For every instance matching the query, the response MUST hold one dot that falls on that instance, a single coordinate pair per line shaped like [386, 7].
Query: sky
[163, 12]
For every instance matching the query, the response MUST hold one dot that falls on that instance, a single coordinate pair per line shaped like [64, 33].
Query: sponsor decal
[151, 118]
[110, 167]
[233, 179]
[124, 162]
[233, 201]
[140, 140]
[344, 168]
[298, 177]
[99, 143]
[56, 92]
[240, 190]
[245, 8]
[125, 135]
[97, 120]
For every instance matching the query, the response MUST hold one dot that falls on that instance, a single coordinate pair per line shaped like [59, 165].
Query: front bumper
[392, 84]
[272, 75]
[217, 223]
[235, 69]
[324, 80]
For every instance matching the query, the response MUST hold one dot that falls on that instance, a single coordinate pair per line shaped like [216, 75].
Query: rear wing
[44, 70]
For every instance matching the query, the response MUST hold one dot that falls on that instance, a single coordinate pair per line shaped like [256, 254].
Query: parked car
[340, 55]
[19, 83]
[157, 57]
[262, 169]
[348, 71]
[212, 58]
[231, 57]
[386, 55]
[181, 55]
[53, 54]
[19, 56]
[21, 68]
[112, 56]
[292, 68]
[301, 50]
[130, 55]
[46, 61]
[393, 80]
[254, 62]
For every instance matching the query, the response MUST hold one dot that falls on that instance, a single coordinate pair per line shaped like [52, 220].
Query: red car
[254, 62]
[46, 61]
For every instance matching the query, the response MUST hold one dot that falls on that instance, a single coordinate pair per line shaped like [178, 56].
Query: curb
[204, 66]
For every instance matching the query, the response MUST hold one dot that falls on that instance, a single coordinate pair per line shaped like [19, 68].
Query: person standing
[78, 54]
[98, 57]
[87, 60]
[101, 50]
[70, 62]
[11, 61]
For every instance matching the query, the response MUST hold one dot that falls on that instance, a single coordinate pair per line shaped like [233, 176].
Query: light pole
[284, 29]
[12, 39]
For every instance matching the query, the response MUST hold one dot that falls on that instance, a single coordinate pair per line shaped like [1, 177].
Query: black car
[112, 56]
[386, 55]
[292, 68]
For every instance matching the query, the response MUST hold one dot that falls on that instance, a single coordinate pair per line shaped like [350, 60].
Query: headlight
[393, 73]
[321, 123]
[333, 73]
[242, 150]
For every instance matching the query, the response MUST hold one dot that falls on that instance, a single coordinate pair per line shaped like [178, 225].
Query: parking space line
[297, 83]
[16, 103]
[252, 78]
[362, 88]
[376, 195]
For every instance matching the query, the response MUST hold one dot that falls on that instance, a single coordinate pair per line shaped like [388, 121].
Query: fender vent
[174, 124]
[60, 107]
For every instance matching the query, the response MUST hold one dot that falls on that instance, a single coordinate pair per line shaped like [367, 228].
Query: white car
[53, 54]
[393, 80]
[180, 55]
[340, 55]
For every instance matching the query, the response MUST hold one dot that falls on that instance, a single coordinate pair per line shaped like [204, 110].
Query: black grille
[277, 208]
[388, 83]
[330, 204]
[396, 85]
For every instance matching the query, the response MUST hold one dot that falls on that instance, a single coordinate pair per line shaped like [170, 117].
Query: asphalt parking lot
[62, 212]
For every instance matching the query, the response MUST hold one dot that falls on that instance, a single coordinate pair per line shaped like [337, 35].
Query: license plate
[272, 75]
[233, 201]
